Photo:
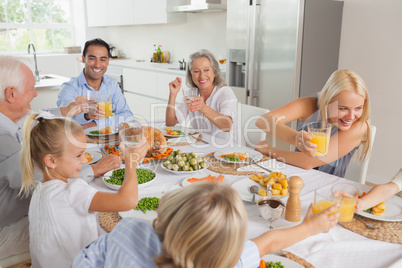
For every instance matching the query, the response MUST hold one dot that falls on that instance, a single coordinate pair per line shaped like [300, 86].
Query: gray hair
[219, 81]
[10, 75]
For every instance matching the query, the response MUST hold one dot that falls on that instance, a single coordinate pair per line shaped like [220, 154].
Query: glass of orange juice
[322, 202]
[320, 133]
[106, 104]
[348, 193]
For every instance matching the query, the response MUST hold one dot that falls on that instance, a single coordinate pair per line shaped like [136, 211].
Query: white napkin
[271, 164]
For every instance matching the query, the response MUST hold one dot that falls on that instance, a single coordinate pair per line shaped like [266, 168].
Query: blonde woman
[344, 103]
[61, 213]
[201, 225]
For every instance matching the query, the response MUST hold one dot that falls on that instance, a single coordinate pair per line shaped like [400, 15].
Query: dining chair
[16, 259]
[248, 115]
[357, 171]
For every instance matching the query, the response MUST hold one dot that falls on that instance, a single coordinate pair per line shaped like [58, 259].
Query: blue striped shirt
[133, 243]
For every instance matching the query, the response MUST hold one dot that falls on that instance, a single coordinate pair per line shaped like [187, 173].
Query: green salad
[232, 158]
[143, 176]
[94, 132]
[147, 203]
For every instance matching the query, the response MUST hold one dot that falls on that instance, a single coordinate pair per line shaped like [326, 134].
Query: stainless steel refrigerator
[278, 50]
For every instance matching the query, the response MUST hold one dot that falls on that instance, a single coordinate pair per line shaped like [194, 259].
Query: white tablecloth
[337, 248]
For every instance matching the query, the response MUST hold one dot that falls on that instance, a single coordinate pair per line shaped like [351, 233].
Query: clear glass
[189, 94]
[91, 97]
[322, 202]
[320, 133]
[131, 136]
[348, 193]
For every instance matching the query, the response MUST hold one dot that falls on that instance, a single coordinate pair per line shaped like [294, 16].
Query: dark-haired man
[96, 57]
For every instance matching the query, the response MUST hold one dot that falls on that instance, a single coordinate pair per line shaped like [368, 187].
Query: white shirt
[60, 224]
[398, 179]
[12, 207]
[221, 100]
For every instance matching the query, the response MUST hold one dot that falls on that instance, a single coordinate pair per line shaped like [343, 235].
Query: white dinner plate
[252, 154]
[184, 172]
[149, 215]
[96, 156]
[243, 188]
[288, 263]
[117, 187]
[88, 130]
[185, 131]
[393, 211]
[185, 182]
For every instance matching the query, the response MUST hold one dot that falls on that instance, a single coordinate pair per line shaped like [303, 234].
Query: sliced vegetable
[211, 178]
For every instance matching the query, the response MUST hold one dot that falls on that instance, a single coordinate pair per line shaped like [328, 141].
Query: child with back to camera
[62, 217]
[200, 225]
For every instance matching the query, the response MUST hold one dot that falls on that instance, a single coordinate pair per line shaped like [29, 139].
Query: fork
[368, 225]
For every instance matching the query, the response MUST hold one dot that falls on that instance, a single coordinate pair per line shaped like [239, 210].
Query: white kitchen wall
[202, 31]
[370, 45]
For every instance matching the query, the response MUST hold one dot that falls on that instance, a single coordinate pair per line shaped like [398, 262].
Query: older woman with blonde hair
[201, 225]
[344, 103]
[214, 111]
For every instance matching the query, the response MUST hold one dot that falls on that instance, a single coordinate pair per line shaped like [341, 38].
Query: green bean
[147, 203]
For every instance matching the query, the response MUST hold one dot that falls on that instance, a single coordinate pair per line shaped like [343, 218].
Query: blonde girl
[61, 212]
[200, 225]
[344, 103]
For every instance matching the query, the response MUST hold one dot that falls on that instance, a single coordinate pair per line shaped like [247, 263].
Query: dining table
[340, 247]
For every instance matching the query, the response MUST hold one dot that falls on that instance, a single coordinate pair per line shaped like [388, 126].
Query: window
[46, 23]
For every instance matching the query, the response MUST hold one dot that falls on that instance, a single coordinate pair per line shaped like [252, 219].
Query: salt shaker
[293, 206]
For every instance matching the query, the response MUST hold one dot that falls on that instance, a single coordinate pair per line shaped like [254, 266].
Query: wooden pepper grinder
[293, 206]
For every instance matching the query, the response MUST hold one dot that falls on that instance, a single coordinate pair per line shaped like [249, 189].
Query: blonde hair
[46, 137]
[347, 80]
[201, 225]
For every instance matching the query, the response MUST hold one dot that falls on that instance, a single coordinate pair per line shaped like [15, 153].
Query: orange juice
[322, 141]
[107, 107]
[347, 209]
[323, 205]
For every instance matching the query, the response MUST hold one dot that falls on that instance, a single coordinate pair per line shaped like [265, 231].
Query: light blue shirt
[134, 243]
[109, 87]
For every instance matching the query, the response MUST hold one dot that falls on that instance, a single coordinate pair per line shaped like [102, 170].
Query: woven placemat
[218, 166]
[391, 231]
[169, 143]
[297, 259]
[108, 220]
[101, 140]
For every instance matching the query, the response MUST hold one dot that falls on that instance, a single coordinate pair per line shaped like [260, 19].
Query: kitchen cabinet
[131, 12]
[147, 92]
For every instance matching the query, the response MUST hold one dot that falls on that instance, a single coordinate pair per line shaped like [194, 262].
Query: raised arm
[274, 122]
[312, 224]
[174, 88]
[127, 196]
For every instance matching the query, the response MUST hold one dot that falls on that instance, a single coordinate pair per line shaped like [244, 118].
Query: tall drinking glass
[348, 194]
[105, 102]
[131, 136]
[320, 134]
[91, 98]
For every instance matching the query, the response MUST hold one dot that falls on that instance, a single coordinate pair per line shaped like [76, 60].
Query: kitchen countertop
[151, 66]
[50, 81]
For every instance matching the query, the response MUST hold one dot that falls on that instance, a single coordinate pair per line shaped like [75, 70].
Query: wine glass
[222, 61]
[271, 209]
[189, 94]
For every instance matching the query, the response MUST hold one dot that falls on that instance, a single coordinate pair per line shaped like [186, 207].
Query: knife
[199, 139]
[264, 168]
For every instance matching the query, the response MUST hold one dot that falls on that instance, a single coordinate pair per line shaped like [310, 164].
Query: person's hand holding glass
[315, 142]
[92, 110]
[190, 98]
